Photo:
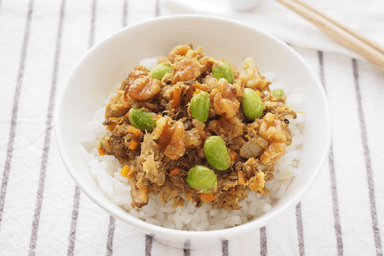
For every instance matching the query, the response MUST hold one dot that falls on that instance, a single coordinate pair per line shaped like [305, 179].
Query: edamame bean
[252, 104]
[216, 153]
[222, 70]
[202, 178]
[278, 93]
[141, 119]
[200, 104]
[158, 71]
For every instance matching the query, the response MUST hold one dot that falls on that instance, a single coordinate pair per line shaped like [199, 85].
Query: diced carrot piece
[232, 155]
[176, 97]
[111, 126]
[241, 177]
[133, 130]
[124, 171]
[175, 171]
[197, 85]
[207, 197]
[133, 144]
[101, 150]
[188, 196]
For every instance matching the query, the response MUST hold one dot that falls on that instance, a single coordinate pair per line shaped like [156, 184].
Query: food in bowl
[198, 133]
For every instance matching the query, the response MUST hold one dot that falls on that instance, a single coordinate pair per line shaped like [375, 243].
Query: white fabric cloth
[366, 17]
[37, 196]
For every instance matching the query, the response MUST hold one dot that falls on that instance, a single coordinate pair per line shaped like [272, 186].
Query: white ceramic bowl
[106, 64]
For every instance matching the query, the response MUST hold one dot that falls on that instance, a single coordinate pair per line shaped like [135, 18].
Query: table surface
[42, 212]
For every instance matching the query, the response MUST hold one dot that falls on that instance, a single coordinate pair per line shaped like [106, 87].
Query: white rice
[106, 172]
[149, 63]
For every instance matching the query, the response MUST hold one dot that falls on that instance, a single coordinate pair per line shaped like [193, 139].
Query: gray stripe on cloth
[75, 215]
[15, 108]
[76, 198]
[332, 174]
[187, 245]
[335, 203]
[157, 8]
[263, 241]
[321, 69]
[148, 245]
[125, 12]
[300, 233]
[93, 21]
[111, 231]
[47, 139]
[224, 247]
[368, 166]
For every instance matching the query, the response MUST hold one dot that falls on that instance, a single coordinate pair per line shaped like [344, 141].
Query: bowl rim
[199, 235]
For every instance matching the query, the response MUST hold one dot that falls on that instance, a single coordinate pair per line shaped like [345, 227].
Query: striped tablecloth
[42, 212]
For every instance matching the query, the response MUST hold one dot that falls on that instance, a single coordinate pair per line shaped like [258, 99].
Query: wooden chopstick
[345, 36]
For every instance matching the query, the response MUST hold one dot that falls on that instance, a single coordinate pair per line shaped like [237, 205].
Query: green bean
[141, 119]
[222, 70]
[278, 93]
[216, 153]
[202, 179]
[159, 71]
[200, 104]
[252, 104]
